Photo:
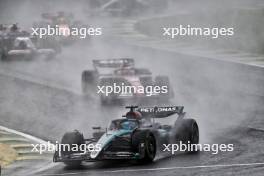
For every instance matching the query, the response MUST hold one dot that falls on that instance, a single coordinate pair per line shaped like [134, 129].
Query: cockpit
[23, 43]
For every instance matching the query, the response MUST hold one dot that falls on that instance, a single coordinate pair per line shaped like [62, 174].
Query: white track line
[35, 139]
[32, 138]
[164, 168]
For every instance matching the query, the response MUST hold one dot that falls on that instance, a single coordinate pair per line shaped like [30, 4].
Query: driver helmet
[14, 27]
[127, 125]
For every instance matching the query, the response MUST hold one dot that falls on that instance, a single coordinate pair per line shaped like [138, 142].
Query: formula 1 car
[63, 21]
[24, 48]
[136, 137]
[57, 17]
[17, 44]
[133, 84]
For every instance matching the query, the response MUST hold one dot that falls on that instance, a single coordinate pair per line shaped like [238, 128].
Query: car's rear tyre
[72, 138]
[148, 140]
[3, 55]
[187, 131]
[88, 78]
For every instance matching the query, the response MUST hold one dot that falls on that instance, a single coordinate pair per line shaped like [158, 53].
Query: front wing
[104, 155]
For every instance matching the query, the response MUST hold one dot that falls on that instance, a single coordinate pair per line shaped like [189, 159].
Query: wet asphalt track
[225, 98]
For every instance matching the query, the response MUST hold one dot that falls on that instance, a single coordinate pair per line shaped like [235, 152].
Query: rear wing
[114, 63]
[161, 112]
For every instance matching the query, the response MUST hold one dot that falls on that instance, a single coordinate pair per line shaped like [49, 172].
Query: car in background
[24, 48]
[63, 21]
[19, 44]
[123, 73]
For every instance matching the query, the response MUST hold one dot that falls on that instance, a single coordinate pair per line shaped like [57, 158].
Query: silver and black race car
[24, 48]
[119, 81]
[137, 136]
[18, 44]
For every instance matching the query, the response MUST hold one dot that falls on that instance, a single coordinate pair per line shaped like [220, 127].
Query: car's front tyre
[72, 138]
[145, 140]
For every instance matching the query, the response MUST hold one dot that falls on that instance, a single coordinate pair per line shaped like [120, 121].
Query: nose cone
[106, 139]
